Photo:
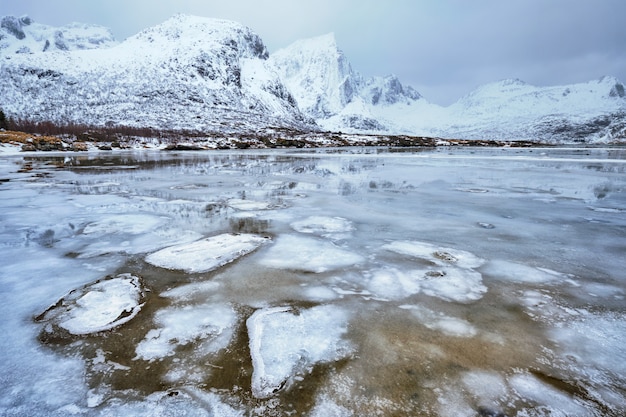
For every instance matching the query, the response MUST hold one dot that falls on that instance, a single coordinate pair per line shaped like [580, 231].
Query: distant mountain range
[205, 75]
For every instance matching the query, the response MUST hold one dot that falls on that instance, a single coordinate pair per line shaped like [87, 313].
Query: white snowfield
[97, 307]
[206, 254]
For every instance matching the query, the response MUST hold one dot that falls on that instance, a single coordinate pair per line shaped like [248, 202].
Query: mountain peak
[188, 32]
[21, 35]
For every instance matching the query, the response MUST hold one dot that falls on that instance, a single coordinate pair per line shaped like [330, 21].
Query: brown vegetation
[31, 142]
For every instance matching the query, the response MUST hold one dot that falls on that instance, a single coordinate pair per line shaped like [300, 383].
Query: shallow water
[452, 282]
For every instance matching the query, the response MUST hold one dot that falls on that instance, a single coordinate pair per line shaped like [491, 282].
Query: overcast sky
[443, 48]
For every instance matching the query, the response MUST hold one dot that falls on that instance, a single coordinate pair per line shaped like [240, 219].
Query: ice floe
[286, 344]
[97, 307]
[437, 255]
[447, 283]
[206, 254]
[211, 326]
[308, 254]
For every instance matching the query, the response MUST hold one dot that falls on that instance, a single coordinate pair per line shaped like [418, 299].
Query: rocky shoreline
[26, 142]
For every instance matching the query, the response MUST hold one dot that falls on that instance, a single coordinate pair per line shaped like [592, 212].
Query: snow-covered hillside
[338, 98]
[188, 73]
[327, 88]
[21, 35]
[208, 75]
[591, 111]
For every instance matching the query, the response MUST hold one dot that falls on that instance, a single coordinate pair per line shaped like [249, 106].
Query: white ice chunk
[512, 271]
[436, 254]
[285, 344]
[308, 254]
[97, 307]
[452, 284]
[206, 254]
[448, 283]
[392, 283]
[323, 225]
[179, 326]
[451, 326]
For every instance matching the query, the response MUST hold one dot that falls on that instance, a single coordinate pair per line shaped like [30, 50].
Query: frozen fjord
[453, 282]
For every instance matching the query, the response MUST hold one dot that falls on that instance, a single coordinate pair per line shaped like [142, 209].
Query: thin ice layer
[512, 271]
[438, 255]
[179, 326]
[435, 320]
[124, 223]
[206, 254]
[323, 225]
[97, 307]
[285, 344]
[308, 254]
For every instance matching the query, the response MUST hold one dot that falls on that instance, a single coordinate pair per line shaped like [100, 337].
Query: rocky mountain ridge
[213, 76]
[188, 73]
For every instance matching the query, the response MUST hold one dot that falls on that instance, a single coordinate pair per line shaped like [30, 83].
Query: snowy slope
[318, 74]
[187, 73]
[594, 110]
[24, 36]
[327, 89]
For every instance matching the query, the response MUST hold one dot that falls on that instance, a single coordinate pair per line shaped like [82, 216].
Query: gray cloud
[444, 48]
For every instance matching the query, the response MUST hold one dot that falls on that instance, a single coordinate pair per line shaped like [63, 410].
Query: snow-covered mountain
[208, 75]
[189, 73]
[23, 36]
[328, 90]
[591, 111]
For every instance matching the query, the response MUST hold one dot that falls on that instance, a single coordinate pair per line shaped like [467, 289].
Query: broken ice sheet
[285, 344]
[448, 283]
[436, 254]
[97, 307]
[308, 254]
[210, 325]
[206, 254]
